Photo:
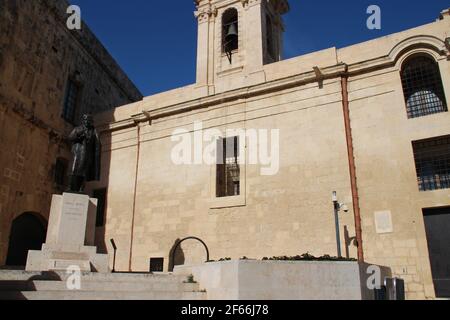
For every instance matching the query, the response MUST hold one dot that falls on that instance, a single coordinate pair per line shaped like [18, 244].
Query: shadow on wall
[349, 241]
[177, 258]
[100, 190]
[102, 233]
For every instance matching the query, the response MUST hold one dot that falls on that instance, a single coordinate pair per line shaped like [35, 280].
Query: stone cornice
[316, 74]
[242, 93]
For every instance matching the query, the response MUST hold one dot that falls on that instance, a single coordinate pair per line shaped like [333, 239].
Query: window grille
[71, 101]
[228, 169]
[432, 157]
[422, 87]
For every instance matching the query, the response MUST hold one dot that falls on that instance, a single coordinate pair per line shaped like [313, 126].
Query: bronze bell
[231, 38]
[232, 33]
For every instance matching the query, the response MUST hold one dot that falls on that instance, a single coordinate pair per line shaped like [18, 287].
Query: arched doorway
[28, 232]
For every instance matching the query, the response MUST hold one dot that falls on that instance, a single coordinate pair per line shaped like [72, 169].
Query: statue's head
[87, 121]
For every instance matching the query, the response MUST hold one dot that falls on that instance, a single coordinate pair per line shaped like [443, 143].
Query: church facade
[368, 121]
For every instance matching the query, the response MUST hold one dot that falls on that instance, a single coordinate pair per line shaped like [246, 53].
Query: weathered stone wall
[152, 202]
[38, 54]
[277, 215]
[386, 173]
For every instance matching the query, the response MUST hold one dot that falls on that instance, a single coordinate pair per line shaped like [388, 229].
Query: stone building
[49, 76]
[369, 121]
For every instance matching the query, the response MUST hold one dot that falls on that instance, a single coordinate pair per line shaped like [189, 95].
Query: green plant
[220, 260]
[308, 257]
[304, 257]
[190, 279]
[225, 259]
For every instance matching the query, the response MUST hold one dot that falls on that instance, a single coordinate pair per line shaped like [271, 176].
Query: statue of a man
[86, 151]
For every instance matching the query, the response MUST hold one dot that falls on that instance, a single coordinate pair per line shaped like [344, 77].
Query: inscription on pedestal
[72, 228]
[73, 209]
[70, 237]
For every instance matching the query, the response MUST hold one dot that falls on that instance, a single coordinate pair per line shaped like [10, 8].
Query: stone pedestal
[70, 237]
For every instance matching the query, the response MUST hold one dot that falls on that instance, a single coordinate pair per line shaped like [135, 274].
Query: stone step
[88, 276]
[99, 286]
[17, 275]
[96, 295]
[21, 285]
[15, 286]
[63, 264]
[103, 286]
[127, 277]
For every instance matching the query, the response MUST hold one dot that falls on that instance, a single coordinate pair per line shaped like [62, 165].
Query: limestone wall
[153, 202]
[386, 171]
[37, 56]
[281, 212]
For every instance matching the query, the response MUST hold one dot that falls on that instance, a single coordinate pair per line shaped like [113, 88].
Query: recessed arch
[230, 26]
[422, 85]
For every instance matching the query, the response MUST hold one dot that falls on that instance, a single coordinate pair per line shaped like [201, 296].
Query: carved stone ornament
[204, 13]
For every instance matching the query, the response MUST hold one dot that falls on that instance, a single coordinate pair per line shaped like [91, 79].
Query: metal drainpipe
[134, 194]
[352, 167]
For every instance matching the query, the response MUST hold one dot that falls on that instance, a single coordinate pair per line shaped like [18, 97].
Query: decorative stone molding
[280, 6]
[414, 44]
[444, 14]
[431, 42]
[250, 3]
[203, 14]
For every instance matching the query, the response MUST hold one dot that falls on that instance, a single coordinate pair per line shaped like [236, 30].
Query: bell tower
[236, 38]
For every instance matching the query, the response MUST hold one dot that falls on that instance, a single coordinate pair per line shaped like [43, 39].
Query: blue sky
[155, 41]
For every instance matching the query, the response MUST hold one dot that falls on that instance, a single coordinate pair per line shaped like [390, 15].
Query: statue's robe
[86, 150]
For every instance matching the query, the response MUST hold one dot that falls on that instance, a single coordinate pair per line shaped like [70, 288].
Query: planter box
[284, 280]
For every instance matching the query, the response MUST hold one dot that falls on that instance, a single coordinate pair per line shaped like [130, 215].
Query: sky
[155, 42]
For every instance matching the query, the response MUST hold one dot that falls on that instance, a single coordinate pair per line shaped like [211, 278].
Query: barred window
[71, 101]
[422, 87]
[228, 170]
[432, 158]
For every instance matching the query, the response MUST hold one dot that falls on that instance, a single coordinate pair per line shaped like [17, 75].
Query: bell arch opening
[230, 30]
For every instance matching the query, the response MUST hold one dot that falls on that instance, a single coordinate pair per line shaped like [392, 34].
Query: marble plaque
[383, 222]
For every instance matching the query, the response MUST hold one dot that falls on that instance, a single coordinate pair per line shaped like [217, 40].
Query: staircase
[22, 285]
